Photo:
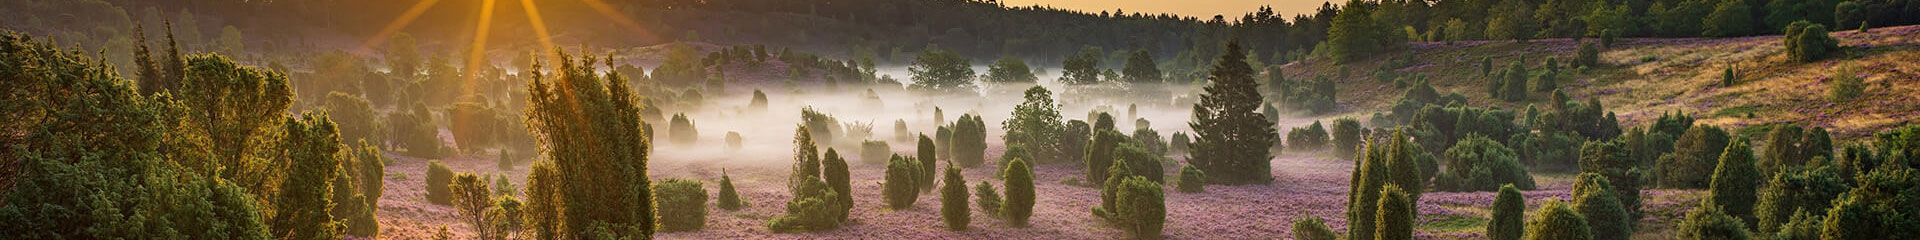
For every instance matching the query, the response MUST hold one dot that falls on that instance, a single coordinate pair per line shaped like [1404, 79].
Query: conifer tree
[1142, 209]
[988, 198]
[729, 199]
[1140, 68]
[1593, 198]
[1192, 180]
[439, 182]
[1035, 126]
[1797, 189]
[1708, 221]
[1346, 137]
[1395, 218]
[926, 151]
[603, 162]
[1694, 155]
[1312, 228]
[1353, 33]
[1099, 156]
[953, 199]
[1780, 151]
[901, 182]
[806, 158]
[1231, 138]
[1020, 193]
[471, 199]
[1509, 209]
[312, 145]
[682, 205]
[835, 170]
[1556, 221]
[1735, 181]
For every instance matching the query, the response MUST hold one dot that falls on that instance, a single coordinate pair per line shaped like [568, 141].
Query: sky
[1202, 9]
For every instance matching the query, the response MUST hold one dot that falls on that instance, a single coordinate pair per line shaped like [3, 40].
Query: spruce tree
[1509, 209]
[1232, 139]
[835, 170]
[1020, 193]
[1735, 181]
[953, 199]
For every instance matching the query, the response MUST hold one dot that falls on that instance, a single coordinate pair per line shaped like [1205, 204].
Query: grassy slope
[1648, 76]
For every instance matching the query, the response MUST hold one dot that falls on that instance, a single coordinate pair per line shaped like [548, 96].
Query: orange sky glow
[1198, 8]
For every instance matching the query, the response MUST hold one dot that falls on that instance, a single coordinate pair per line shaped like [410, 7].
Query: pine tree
[1395, 218]
[953, 199]
[603, 162]
[1556, 221]
[1509, 209]
[1735, 181]
[837, 177]
[1232, 139]
[1020, 193]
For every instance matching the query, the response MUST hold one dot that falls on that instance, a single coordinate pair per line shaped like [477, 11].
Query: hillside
[1648, 76]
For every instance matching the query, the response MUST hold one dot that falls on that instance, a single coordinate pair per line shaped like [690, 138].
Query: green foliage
[439, 180]
[1312, 96]
[1847, 84]
[355, 117]
[812, 210]
[682, 204]
[1735, 180]
[1556, 220]
[1192, 180]
[1346, 137]
[414, 131]
[989, 200]
[834, 168]
[1140, 68]
[1231, 139]
[233, 107]
[1478, 163]
[1512, 83]
[1386, 162]
[806, 159]
[1708, 221]
[1142, 162]
[1797, 189]
[473, 125]
[969, 144]
[729, 198]
[1312, 228]
[600, 166]
[941, 70]
[1099, 156]
[306, 195]
[873, 152]
[1310, 137]
[681, 130]
[1178, 142]
[1509, 212]
[1729, 19]
[902, 182]
[1593, 198]
[1020, 193]
[1081, 68]
[1150, 140]
[1588, 55]
[1697, 151]
[953, 200]
[1780, 150]
[1800, 227]
[1881, 206]
[1850, 13]
[1355, 34]
[1396, 214]
[471, 199]
[1010, 69]
[1141, 208]
[1074, 140]
[1036, 127]
[1808, 42]
[926, 151]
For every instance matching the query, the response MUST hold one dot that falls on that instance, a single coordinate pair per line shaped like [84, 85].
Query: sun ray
[607, 11]
[477, 57]
[539, 29]
[400, 22]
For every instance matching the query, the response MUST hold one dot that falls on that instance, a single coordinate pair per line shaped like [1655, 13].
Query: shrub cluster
[1807, 41]
[1019, 203]
[729, 199]
[1099, 154]
[834, 168]
[813, 210]
[1178, 143]
[1556, 221]
[734, 141]
[953, 199]
[1150, 140]
[414, 131]
[439, 178]
[1310, 137]
[1312, 228]
[1797, 189]
[1141, 208]
[969, 144]
[1735, 180]
[988, 198]
[1140, 161]
[1191, 180]
[681, 130]
[1509, 209]
[1694, 157]
[1593, 198]
[682, 205]
[1613, 161]
[901, 188]
[1478, 163]
[874, 152]
[1708, 221]
[1346, 137]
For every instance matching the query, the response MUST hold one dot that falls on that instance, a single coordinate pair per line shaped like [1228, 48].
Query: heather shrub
[1708, 221]
[1735, 181]
[682, 205]
[1346, 137]
[1312, 228]
[953, 200]
[1310, 137]
[1141, 208]
[1479, 163]
[681, 130]
[834, 168]
[1019, 203]
[729, 199]
[901, 188]
[1593, 198]
[1509, 213]
[1556, 221]
[988, 198]
[439, 178]
[1191, 180]
[874, 152]
[1693, 159]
